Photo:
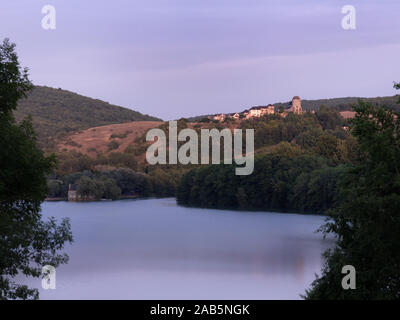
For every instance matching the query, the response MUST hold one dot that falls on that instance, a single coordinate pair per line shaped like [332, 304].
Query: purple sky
[175, 58]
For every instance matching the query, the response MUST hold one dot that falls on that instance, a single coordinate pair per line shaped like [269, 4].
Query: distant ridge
[58, 112]
[344, 104]
[341, 104]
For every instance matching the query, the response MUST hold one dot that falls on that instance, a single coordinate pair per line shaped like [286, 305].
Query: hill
[106, 139]
[340, 104]
[58, 112]
[343, 104]
[117, 138]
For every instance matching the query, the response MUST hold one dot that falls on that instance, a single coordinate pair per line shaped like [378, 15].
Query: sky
[182, 58]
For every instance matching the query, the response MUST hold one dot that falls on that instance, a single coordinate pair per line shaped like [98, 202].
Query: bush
[112, 145]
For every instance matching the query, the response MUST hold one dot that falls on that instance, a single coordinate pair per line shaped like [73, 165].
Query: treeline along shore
[298, 161]
[301, 160]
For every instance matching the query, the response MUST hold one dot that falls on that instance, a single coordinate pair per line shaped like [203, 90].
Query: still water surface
[154, 249]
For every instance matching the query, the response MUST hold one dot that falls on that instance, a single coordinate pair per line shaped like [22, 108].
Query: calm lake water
[154, 249]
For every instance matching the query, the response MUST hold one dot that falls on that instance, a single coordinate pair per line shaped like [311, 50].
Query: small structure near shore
[72, 193]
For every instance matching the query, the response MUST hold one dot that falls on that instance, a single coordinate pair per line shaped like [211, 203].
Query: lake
[155, 249]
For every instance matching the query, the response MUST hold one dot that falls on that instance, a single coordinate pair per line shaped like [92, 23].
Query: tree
[241, 198]
[88, 188]
[366, 222]
[111, 189]
[27, 243]
[329, 118]
[326, 146]
[54, 187]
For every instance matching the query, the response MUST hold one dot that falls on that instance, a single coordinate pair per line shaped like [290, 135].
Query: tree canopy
[366, 222]
[27, 243]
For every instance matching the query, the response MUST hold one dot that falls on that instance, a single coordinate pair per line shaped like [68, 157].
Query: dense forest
[311, 145]
[298, 163]
[113, 184]
[57, 112]
[366, 221]
[279, 183]
[352, 176]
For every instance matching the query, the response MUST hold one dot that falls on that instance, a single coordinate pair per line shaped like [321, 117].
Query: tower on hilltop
[296, 105]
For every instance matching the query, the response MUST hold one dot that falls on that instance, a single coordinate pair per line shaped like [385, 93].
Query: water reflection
[154, 249]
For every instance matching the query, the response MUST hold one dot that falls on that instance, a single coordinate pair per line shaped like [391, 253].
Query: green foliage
[305, 130]
[366, 222]
[300, 161]
[121, 136]
[130, 182]
[118, 159]
[329, 118]
[57, 112]
[54, 188]
[327, 146]
[13, 79]
[279, 182]
[112, 145]
[27, 243]
[111, 189]
[164, 181]
[98, 188]
[72, 161]
[205, 120]
[112, 183]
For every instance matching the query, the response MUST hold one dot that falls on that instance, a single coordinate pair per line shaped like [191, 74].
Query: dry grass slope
[98, 139]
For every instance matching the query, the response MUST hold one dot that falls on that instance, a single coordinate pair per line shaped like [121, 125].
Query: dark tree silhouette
[27, 243]
[367, 221]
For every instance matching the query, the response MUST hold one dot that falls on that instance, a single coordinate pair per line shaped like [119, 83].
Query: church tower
[296, 105]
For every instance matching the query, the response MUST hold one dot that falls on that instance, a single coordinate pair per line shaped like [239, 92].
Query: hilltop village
[259, 111]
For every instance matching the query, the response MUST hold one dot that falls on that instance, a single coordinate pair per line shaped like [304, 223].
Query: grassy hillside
[57, 112]
[106, 139]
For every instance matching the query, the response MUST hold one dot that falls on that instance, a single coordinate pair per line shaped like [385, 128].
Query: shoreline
[189, 206]
[106, 200]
